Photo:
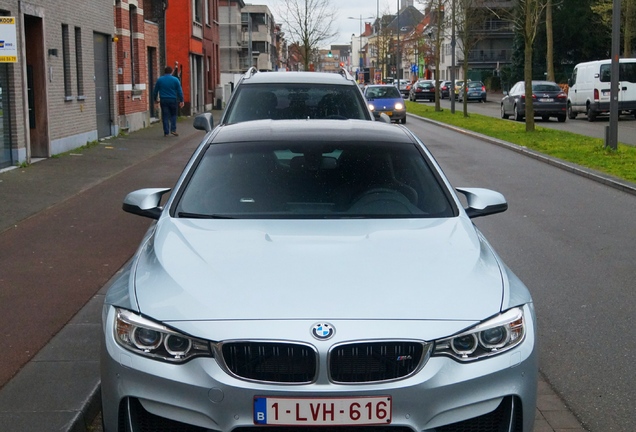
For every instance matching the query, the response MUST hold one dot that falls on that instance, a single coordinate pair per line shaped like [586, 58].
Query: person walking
[168, 88]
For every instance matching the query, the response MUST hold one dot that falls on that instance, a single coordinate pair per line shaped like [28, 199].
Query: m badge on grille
[323, 331]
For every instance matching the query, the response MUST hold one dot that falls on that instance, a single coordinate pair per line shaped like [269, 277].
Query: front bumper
[201, 394]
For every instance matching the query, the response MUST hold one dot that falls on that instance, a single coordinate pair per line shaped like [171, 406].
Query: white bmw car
[316, 275]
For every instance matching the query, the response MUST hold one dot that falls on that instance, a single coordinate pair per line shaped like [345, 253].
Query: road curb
[597, 176]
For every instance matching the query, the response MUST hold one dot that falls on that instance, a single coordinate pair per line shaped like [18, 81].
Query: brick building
[58, 94]
[137, 61]
[192, 43]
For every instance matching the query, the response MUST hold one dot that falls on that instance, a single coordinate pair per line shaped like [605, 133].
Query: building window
[210, 82]
[66, 59]
[79, 63]
[133, 51]
[207, 12]
[197, 7]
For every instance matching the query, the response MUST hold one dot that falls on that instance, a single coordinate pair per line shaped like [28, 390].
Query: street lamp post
[360, 66]
[397, 58]
[453, 42]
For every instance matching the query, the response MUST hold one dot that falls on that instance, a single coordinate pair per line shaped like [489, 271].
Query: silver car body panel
[337, 254]
[270, 279]
[202, 393]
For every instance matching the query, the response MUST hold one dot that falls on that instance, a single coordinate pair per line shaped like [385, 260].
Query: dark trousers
[169, 109]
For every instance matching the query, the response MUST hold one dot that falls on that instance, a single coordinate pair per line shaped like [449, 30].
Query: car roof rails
[345, 73]
[250, 72]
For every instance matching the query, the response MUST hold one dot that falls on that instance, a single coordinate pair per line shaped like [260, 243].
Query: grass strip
[579, 149]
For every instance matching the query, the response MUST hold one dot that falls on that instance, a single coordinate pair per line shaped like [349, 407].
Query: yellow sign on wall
[8, 40]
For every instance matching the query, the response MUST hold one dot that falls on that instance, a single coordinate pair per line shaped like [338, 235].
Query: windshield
[278, 101]
[626, 72]
[383, 93]
[312, 180]
[546, 87]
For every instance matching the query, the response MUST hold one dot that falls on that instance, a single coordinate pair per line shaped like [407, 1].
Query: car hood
[406, 269]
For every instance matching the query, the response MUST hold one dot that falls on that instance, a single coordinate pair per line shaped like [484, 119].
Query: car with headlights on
[316, 275]
[548, 100]
[385, 98]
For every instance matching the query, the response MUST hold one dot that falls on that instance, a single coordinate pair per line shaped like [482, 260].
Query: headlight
[492, 337]
[150, 339]
[371, 107]
[399, 106]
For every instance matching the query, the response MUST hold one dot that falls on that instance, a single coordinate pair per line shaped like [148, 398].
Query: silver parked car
[316, 274]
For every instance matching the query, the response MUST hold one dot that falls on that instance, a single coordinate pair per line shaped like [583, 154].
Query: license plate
[546, 100]
[372, 410]
[389, 113]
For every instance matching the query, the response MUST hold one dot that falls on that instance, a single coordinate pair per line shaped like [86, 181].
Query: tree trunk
[549, 57]
[527, 67]
[628, 28]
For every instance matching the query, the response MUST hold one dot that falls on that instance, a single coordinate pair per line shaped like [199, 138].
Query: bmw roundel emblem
[323, 331]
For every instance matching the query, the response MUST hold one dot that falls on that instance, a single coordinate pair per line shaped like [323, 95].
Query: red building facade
[192, 45]
[136, 53]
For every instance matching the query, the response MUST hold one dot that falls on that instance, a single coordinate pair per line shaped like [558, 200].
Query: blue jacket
[168, 87]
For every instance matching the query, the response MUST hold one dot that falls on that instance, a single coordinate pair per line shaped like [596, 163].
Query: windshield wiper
[202, 216]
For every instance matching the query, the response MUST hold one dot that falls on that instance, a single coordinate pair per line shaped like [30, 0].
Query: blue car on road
[386, 99]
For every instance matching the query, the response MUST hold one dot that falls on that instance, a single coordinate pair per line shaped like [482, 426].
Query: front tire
[503, 113]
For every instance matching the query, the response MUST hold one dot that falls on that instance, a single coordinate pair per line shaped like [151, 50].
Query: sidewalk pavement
[55, 217]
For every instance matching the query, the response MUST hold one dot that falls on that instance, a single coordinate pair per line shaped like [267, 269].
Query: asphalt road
[571, 240]
[580, 125]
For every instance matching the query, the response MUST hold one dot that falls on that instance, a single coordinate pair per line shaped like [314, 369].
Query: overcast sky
[346, 8]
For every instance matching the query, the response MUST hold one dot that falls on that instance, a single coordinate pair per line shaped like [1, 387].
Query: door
[102, 85]
[36, 87]
[152, 68]
[6, 158]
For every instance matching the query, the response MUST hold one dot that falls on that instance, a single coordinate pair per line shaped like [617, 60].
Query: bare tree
[470, 17]
[549, 55]
[628, 29]
[309, 23]
[526, 17]
[437, 19]
[603, 8]
[385, 45]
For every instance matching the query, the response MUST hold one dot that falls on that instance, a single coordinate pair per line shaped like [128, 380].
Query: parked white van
[590, 88]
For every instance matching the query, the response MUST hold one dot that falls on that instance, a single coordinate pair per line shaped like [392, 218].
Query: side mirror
[204, 122]
[505, 93]
[570, 82]
[483, 202]
[385, 118]
[145, 202]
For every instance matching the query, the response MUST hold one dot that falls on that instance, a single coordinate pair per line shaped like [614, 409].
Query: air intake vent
[375, 361]
[271, 361]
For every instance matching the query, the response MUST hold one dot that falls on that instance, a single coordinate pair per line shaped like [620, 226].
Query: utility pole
[397, 57]
[611, 134]
[451, 91]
